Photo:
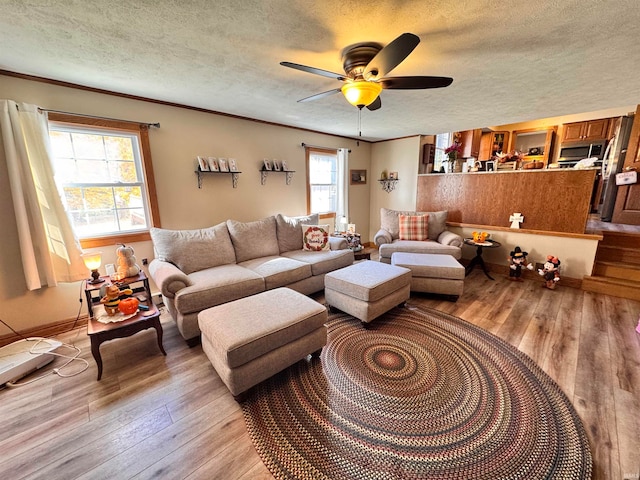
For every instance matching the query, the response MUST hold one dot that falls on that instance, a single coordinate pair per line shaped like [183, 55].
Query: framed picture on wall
[358, 177]
[202, 164]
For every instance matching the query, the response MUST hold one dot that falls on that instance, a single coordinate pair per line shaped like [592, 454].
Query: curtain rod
[156, 125]
[306, 145]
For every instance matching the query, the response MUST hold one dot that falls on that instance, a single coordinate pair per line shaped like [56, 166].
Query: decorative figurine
[480, 237]
[516, 219]
[127, 266]
[550, 272]
[518, 259]
[112, 298]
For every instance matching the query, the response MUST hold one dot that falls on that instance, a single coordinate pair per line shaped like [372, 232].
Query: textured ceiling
[511, 61]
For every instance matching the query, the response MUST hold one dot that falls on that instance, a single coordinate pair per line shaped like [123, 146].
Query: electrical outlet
[145, 261]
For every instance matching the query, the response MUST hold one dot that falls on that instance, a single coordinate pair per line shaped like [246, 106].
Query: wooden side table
[477, 260]
[90, 290]
[101, 332]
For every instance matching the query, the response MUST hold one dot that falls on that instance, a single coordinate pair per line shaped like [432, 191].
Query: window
[322, 170]
[103, 178]
[443, 141]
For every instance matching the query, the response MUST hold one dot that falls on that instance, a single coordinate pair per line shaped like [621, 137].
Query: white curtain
[342, 204]
[50, 251]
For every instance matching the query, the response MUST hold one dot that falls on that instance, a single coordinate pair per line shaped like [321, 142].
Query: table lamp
[92, 261]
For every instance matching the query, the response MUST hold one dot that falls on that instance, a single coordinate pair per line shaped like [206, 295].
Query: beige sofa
[441, 241]
[199, 269]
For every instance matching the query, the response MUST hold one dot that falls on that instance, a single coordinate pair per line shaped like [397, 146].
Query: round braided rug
[420, 394]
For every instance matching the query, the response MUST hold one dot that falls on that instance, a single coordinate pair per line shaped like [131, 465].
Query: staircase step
[625, 271]
[609, 253]
[620, 239]
[615, 287]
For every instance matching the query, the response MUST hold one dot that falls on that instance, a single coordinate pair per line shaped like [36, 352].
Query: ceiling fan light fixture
[361, 93]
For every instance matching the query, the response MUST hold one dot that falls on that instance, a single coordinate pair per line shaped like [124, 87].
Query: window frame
[142, 132]
[440, 156]
[308, 152]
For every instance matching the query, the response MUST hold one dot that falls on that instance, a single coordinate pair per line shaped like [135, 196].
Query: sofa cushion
[278, 271]
[413, 227]
[217, 285]
[315, 238]
[253, 239]
[410, 246]
[389, 221]
[322, 262]
[289, 231]
[193, 250]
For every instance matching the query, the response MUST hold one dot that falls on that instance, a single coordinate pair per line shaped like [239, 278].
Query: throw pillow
[413, 227]
[193, 250]
[253, 239]
[289, 229]
[315, 238]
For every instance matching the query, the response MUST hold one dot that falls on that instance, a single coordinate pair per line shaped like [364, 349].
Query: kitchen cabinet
[471, 143]
[586, 131]
[492, 142]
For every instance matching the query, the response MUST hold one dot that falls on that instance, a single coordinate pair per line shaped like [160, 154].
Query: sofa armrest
[450, 238]
[338, 243]
[169, 278]
[382, 237]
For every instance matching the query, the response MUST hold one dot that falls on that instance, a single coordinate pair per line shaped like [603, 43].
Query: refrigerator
[612, 163]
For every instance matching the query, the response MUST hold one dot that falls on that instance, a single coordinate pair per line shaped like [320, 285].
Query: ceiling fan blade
[316, 71]
[318, 96]
[390, 56]
[375, 105]
[415, 83]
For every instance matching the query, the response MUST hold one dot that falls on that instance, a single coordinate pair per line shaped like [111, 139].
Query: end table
[477, 260]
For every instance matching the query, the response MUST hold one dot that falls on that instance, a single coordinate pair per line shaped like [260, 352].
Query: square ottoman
[253, 338]
[367, 289]
[431, 273]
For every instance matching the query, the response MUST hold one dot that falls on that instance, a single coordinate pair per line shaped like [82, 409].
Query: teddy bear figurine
[112, 298]
[517, 260]
[550, 272]
[127, 266]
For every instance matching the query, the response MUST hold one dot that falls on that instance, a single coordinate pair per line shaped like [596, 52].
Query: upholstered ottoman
[367, 289]
[431, 273]
[251, 339]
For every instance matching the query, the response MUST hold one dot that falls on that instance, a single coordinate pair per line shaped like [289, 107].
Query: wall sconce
[93, 261]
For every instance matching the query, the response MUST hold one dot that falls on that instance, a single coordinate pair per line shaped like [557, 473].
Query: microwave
[578, 151]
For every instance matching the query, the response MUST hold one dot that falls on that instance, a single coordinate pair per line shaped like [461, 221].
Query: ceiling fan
[365, 66]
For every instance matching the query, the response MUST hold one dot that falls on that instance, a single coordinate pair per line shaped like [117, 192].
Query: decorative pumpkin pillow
[413, 227]
[315, 238]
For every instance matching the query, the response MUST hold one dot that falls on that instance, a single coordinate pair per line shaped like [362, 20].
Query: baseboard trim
[48, 330]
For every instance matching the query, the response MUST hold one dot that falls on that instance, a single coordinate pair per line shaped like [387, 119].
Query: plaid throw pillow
[413, 227]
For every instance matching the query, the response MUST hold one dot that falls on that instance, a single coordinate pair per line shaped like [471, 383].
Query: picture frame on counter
[490, 166]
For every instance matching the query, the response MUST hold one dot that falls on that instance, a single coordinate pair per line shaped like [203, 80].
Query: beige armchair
[440, 240]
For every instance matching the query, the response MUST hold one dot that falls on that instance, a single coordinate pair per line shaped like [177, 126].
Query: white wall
[183, 135]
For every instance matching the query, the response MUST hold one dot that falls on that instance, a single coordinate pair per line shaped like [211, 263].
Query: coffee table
[101, 332]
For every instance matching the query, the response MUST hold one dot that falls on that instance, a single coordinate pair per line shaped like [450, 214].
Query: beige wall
[402, 156]
[576, 255]
[183, 135]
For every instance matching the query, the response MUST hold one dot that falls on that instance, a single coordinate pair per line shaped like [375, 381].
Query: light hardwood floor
[171, 417]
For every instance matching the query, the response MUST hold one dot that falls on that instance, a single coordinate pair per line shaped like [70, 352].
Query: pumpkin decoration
[128, 305]
[127, 266]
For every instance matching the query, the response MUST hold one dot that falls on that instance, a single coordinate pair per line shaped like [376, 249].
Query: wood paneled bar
[555, 200]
